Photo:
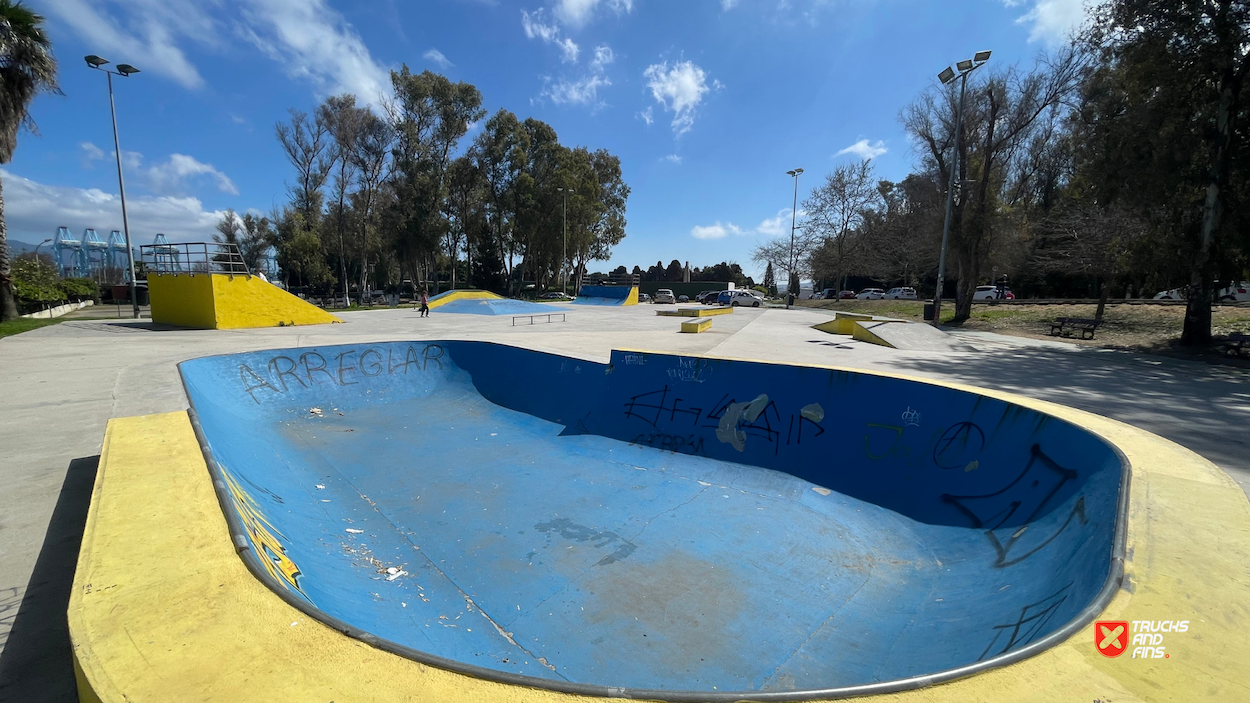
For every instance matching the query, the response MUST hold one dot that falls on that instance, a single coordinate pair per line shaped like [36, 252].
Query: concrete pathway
[62, 383]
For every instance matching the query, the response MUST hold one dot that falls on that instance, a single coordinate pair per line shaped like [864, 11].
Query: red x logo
[1111, 637]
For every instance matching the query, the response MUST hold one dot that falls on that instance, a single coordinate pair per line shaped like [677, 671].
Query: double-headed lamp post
[960, 71]
[564, 283]
[791, 265]
[124, 70]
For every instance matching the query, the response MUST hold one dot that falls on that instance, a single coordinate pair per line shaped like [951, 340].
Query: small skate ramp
[607, 295]
[227, 301]
[462, 294]
[908, 336]
[659, 526]
[495, 306]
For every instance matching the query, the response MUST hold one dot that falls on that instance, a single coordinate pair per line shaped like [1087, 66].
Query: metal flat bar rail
[549, 317]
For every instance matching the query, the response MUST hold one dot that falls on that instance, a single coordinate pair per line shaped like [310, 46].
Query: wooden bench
[1064, 326]
[1236, 344]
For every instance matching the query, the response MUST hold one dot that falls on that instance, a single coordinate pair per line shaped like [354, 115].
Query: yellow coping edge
[632, 299]
[465, 295]
[694, 312]
[163, 609]
[695, 326]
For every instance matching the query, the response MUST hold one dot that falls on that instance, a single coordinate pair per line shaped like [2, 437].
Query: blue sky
[707, 103]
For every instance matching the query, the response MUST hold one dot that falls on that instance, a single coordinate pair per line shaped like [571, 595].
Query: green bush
[36, 282]
[77, 289]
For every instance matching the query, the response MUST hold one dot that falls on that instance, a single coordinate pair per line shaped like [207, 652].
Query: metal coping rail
[548, 315]
[193, 258]
[1112, 584]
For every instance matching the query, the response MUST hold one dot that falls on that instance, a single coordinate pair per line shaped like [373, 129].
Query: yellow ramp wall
[463, 295]
[221, 301]
[243, 301]
[633, 297]
[183, 299]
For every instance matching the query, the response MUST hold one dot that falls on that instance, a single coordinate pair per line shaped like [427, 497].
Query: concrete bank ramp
[659, 524]
[907, 336]
[228, 301]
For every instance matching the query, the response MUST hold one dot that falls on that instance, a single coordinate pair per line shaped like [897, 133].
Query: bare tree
[835, 212]
[342, 120]
[370, 154]
[305, 142]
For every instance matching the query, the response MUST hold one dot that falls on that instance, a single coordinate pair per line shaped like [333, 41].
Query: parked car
[846, 295]
[664, 295]
[707, 297]
[644, 298]
[743, 298]
[871, 294]
[826, 294]
[993, 293]
[555, 295]
[683, 299]
[1238, 292]
[901, 294]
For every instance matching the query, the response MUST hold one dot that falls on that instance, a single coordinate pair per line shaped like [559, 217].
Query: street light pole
[123, 70]
[791, 265]
[564, 284]
[965, 67]
[37, 249]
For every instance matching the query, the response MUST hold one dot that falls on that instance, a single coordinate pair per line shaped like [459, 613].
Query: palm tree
[27, 68]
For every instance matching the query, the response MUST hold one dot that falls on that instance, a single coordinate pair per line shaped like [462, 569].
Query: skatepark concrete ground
[62, 383]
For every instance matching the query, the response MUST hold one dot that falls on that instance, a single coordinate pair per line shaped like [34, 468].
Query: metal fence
[194, 257]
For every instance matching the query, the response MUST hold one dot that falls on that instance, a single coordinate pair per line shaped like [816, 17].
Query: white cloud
[584, 91]
[727, 5]
[575, 13]
[568, 50]
[148, 37]
[864, 150]
[34, 210]
[771, 227]
[1051, 21]
[90, 152]
[308, 38]
[603, 57]
[678, 89]
[314, 42]
[437, 57]
[673, 159]
[719, 230]
[646, 116]
[237, 120]
[174, 174]
[535, 27]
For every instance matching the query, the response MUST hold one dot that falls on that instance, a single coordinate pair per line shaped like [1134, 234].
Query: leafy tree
[27, 68]
[770, 281]
[1176, 78]
[343, 122]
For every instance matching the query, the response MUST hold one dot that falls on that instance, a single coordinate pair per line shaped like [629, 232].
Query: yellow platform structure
[224, 301]
[842, 322]
[694, 312]
[696, 326]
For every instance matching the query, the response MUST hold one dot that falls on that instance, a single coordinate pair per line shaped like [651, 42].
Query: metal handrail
[546, 315]
[193, 258]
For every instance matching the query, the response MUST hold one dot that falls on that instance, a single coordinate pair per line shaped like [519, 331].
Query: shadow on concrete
[35, 664]
[1201, 406]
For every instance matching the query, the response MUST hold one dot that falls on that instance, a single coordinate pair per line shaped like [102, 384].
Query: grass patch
[23, 324]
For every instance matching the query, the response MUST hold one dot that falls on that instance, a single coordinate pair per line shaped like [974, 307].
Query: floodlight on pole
[965, 67]
[123, 70]
[791, 265]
